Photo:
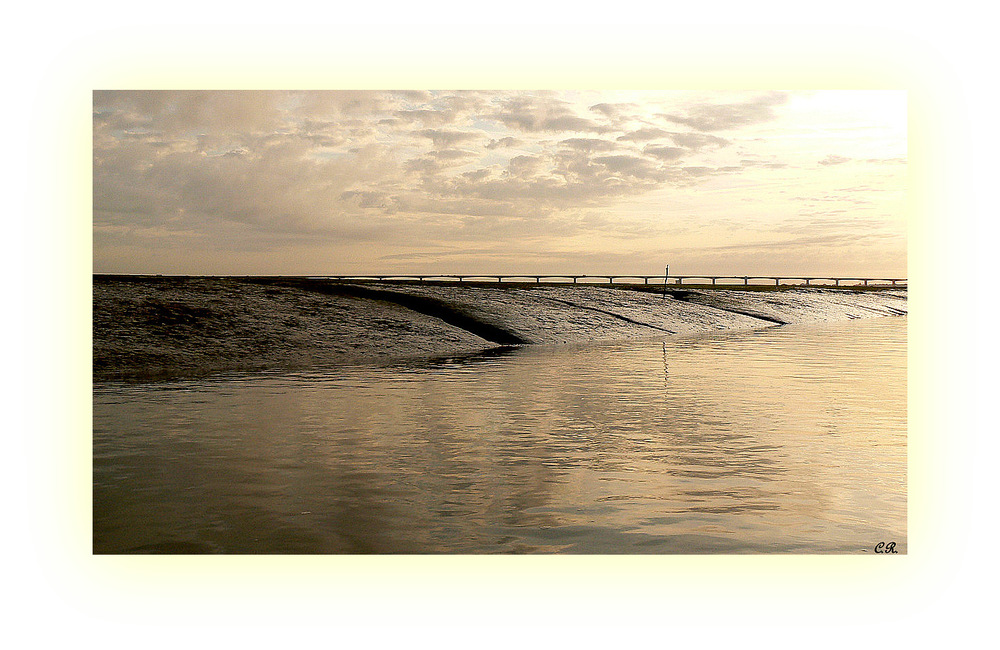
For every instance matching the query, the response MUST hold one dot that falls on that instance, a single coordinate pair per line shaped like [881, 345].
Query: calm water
[784, 440]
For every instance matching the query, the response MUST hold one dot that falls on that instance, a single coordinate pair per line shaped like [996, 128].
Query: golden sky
[340, 182]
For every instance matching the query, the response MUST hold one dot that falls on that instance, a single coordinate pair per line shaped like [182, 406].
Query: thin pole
[666, 273]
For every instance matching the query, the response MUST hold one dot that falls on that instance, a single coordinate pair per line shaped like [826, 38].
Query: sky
[941, 57]
[581, 182]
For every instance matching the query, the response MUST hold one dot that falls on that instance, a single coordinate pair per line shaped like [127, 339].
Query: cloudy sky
[339, 182]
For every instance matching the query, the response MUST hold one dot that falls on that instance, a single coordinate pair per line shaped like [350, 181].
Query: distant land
[150, 327]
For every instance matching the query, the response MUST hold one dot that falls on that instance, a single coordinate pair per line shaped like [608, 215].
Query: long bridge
[718, 280]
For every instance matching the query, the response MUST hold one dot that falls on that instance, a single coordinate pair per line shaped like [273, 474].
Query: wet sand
[161, 327]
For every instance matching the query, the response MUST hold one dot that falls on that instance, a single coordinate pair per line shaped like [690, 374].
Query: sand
[161, 327]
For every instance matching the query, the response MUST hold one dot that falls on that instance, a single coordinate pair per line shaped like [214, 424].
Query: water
[783, 440]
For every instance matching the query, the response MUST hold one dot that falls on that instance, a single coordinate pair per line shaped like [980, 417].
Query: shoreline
[149, 328]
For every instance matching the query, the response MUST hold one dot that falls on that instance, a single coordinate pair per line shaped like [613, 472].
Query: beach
[161, 327]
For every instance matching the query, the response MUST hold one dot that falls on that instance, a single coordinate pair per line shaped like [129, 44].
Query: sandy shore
[146, 328]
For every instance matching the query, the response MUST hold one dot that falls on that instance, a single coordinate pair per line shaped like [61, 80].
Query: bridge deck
[718, 280]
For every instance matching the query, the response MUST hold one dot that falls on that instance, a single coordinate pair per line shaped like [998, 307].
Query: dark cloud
[664, 152]
[477, 175]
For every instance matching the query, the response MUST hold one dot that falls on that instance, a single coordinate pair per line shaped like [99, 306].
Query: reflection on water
[787, 439]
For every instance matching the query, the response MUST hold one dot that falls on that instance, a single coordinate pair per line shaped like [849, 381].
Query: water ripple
[789, 439]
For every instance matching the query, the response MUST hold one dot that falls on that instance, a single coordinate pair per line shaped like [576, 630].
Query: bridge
[717, 280]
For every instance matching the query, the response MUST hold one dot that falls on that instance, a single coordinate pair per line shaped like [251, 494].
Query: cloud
[644, 134]
[834, 159]
[699, 171]
[724, 117]
[330, 163]
[452, 154]
[748, 163]
[571, 123]
[476, 175]
[414, 95]
[589, 144]
[425, 116]
[899, 160]
[538, 113]
[503, 143]
[631, 166]
[442, 138]
[697, 141]
[394, 167]
[523, 166]
[664, 152]
[615, 110]
[380, 200]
